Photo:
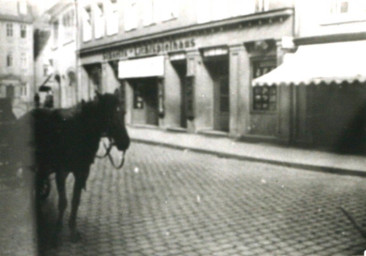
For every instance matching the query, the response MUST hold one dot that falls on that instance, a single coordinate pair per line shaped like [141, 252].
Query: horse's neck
[92, 122]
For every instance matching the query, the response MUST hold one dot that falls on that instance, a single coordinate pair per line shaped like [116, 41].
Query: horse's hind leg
[79, 184]
[62, 200]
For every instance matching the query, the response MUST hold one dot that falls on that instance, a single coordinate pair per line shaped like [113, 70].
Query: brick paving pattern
[172, 202]
[17, 220]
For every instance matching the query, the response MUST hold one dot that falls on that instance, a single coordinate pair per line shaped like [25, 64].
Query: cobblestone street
[172, 202]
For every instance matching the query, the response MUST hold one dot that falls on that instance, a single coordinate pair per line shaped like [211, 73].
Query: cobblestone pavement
[17, 219]
[172, 202]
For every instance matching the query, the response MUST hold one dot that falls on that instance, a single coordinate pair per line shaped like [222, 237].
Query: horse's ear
[97, 94]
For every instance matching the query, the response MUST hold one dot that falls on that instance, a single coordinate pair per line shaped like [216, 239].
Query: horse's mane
[85, 108]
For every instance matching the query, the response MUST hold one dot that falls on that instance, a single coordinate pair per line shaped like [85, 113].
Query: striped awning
[320, 63]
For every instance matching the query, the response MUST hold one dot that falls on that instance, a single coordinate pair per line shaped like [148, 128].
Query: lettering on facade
[149, 48]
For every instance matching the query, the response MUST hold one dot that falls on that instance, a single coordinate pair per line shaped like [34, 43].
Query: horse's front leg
[80, 180]
[62, 200]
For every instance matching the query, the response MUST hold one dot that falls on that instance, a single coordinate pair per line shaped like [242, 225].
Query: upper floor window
[165, 10]
[148, 12]
[23, 31]
[209, 10]
[9, 60]
[55, 30]
[87, 27]
[347, 10]
[99, 20]
[261, 5]
[130, 15]
[23, 60]
[23, 7]
[68, 22]
[9, 29]
[112, 18]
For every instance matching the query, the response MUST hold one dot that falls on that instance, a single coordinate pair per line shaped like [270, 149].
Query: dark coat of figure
[66, 140]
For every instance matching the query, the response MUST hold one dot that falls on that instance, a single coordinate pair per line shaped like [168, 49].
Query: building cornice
[12, 18]
[246, 20]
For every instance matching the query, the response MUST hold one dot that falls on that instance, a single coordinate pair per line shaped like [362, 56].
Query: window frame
[130, 15]
[355, 12]
[23, 31]
[99, 17]
[112, 19]
[87, 24]
[9, 29]
[55, 32]
[9, 60]
[253, 62]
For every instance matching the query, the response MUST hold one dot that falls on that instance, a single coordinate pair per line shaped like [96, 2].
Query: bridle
[109, 148]
[108, 153]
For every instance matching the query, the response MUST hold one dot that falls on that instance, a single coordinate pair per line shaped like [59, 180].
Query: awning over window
[314, 64]
[145, 67]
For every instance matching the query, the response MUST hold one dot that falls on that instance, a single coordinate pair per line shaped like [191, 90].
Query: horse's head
[113, 116]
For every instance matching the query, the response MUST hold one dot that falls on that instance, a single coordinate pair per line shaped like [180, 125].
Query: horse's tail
[354, 223]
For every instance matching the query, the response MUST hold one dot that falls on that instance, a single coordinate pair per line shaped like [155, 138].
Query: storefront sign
[149, 48]
[143, 67]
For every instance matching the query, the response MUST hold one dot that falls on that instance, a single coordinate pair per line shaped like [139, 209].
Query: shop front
[144, 76]
[198, 79]
[327, 94]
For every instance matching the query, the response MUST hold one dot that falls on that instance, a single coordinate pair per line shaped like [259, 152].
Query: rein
[108, 153]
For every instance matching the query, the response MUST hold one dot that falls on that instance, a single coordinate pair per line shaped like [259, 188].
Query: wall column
[203, 92]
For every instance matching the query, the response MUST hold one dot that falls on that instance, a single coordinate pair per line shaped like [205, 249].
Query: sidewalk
[17, 223]
[260, 152]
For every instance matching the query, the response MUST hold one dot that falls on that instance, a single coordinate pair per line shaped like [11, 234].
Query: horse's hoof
[56, 240]
[75, 236]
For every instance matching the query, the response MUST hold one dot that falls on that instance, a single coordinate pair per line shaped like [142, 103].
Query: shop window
[138, 101]
[264, 97]
[161, 96]
[23, 31]
[189, 97]
[121, 93]
[9, 29]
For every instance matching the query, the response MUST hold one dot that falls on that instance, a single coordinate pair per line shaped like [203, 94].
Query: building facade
[326, 76]
[55, 60]
[188, 66]
[16, 53]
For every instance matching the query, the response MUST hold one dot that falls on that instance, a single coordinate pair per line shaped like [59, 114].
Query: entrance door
[181, 69]
[145, 102]
[221, 105]
[219, 72]
[150, 94]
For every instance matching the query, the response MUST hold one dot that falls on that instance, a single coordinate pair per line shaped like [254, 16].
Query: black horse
[66, 140]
